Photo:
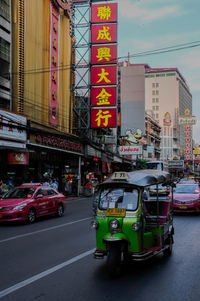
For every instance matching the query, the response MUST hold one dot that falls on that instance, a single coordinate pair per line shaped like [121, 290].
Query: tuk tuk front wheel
[114, 261]
[167, 252]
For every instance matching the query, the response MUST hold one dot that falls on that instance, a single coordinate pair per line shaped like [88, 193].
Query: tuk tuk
[129, 223]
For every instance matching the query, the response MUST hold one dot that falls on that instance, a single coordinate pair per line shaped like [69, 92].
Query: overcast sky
[146, 25]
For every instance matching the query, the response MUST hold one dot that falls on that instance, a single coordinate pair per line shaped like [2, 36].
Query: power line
[177, 47]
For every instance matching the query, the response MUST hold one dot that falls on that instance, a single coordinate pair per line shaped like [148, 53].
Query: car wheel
[31, 216]
[60, 210]
[167, 252]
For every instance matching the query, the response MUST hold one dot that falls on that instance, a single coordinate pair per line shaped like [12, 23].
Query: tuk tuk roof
[140, 178]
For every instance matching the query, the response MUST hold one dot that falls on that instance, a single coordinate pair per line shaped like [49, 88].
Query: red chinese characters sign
[104, 75]
[104, 54]
[103, 118]
[103, 96]
[105, 33]
[104, 13]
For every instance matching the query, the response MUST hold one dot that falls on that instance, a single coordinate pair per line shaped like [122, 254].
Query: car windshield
[126, 198]
[19, 193]
[186, 188]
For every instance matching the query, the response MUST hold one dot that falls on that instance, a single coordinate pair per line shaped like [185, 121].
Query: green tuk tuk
[129, 222]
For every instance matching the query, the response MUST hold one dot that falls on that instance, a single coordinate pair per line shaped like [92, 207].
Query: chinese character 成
[104, 34]
[102, 116]
[103, 97]
[102, 76]
[104, 12]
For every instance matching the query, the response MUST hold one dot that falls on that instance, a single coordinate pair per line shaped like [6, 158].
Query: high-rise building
[5, 48]
[168, 96]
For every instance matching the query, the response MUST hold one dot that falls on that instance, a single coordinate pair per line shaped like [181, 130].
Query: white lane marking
[26, 282]
[44, 230]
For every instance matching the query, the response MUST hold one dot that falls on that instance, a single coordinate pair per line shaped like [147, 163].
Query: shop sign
[176, 164]
[130, 150]
[12, 126]
[91, 151]
[167, 120]
[104, 54]
[103, 96]
[109, 139]
[54, 57]
[103, 118]
[104, 75]
[187, 120]
[59, 143]
[104, 13]
[19, 158]
[103, 34]
[150, 149]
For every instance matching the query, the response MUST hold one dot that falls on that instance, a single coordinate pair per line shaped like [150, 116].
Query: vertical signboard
[54, 63]
[104, 65]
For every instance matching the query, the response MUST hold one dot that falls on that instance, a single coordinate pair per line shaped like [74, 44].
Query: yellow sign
[118, 212]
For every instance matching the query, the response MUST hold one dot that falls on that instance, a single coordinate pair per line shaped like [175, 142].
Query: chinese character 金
[103, 98]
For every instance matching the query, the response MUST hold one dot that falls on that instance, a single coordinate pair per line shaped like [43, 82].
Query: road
[52, 260]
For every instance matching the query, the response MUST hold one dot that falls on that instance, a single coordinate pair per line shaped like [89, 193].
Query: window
[157, 92]
[41, 191]
[157, 85]
[153, 100]
[157, 108]
[157, 100]
[153, 85]
[157, 116]
[51, 192]
[153, 108]
[153, 92]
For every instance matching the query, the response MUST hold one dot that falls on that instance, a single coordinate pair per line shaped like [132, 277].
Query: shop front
[14, 157]
[52, 156]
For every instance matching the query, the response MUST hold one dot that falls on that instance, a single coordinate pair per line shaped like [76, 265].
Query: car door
[41, 202]
[52, 200]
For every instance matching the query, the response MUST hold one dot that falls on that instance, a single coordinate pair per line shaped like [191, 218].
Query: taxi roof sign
[120, 175]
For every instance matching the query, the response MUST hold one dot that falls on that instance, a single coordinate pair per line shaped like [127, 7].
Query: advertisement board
[103, 118]
[104, 33]
[130, 150]
[103, 75]
[103, 54]
[106, 12]
[103, 96]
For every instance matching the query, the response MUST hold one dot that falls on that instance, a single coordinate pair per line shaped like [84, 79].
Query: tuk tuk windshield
[126, 198]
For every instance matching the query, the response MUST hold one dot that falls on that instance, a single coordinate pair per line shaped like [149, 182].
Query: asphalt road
[52, 260]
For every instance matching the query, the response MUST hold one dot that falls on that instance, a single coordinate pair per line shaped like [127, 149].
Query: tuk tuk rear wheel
[114, 261]
[167, 252]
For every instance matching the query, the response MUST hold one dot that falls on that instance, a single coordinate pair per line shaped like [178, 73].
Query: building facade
[167, 95]
[5, 57]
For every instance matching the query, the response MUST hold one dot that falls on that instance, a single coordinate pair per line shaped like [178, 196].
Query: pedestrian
[54, 184]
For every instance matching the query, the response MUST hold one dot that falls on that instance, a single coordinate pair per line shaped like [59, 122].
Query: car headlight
[94, 224]
[114, 224]
[18, 207]
[136, 226]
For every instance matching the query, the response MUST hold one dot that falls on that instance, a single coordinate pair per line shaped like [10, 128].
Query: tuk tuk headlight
[114, 224]
[94, 224]
[136, 226]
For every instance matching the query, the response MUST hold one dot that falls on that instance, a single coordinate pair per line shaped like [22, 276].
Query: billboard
[103, 54]
[103, 118]
[104, 13]
[103, 96]
[104, 33]
[104, 75]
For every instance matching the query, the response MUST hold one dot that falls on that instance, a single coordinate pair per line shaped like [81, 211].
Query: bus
[157, 165]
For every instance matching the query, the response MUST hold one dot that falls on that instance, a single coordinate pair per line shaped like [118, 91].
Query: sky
[146, 25]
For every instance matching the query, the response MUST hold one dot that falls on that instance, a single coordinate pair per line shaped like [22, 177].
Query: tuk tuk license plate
[182, 207]
[116, 212]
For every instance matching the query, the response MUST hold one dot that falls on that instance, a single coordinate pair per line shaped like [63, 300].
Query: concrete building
[132, 96]
[5, 49]
[167, 95]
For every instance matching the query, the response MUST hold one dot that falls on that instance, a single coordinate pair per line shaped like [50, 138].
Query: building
[42, 93]
[5, 50]
[168, 96]
[152, 136]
